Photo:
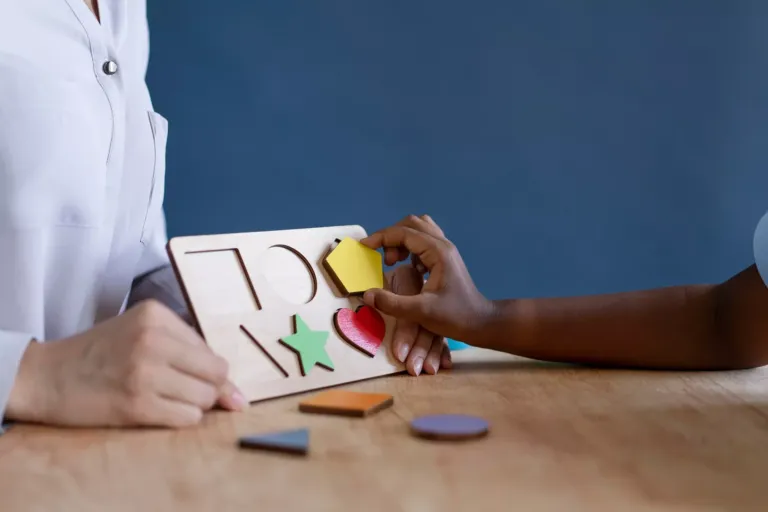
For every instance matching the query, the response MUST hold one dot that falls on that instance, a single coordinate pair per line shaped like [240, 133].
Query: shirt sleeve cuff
[162, 286]
[12, 348]
[761, 248]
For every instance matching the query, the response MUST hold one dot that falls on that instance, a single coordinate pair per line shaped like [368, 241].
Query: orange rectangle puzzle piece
[346, 403]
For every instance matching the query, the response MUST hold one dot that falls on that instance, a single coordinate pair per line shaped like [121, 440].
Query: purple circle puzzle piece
[449, 426]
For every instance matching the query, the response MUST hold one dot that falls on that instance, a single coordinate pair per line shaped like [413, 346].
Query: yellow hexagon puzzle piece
[355, 267]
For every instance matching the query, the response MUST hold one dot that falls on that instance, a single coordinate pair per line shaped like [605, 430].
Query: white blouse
[82, 167]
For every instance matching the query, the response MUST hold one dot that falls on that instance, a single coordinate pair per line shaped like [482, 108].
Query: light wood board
[257, 282]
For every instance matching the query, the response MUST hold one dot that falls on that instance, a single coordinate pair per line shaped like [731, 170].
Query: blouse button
[110, 67]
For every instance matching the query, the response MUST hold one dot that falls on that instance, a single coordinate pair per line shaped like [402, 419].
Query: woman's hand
[413, 345]
[143, 368]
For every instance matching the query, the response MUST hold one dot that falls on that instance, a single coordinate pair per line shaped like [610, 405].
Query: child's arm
[685, 327]
[697, 327]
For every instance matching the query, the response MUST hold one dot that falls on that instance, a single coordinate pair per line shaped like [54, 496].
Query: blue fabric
[761, 248]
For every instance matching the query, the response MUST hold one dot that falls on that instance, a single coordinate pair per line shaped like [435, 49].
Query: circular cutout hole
[289, 274]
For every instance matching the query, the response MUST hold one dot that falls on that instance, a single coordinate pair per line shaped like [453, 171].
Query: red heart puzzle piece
[364, 329]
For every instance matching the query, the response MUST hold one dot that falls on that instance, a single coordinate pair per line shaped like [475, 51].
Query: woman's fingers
[432, 361]
[231, 398]
[415, 362]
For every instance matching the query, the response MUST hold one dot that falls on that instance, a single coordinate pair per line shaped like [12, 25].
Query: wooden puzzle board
[254, 283]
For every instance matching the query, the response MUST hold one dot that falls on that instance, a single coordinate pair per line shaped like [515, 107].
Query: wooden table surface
[562, 438]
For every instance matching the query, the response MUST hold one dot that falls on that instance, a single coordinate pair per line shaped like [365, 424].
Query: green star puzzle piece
[309, 345]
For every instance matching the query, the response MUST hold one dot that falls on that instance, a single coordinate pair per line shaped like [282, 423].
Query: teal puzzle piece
[454, 345]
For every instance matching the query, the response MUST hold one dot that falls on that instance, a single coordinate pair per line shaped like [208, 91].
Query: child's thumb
[408, 307]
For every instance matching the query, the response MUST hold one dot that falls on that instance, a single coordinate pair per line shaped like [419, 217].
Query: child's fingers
[399, 250]
[437, 231]
[391, 255]
[409, 307]
[425, 224]
[418, 265]
[423, 245]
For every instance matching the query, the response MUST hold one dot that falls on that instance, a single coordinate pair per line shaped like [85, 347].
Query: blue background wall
[566, 147]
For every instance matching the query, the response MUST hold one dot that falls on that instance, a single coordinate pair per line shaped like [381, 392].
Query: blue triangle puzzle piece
[292, 441]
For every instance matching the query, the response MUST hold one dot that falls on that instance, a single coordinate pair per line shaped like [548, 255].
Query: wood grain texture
[562, 438]
[239, 288]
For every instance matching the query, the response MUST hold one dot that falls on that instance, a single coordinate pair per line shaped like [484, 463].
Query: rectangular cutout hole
[218, 283]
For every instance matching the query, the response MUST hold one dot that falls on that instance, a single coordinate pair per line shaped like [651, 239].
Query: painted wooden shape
[449, 427]
[364, 328]
[287, 441]
[355, 267]
[223, 275]
[346, 403]
[309, 345]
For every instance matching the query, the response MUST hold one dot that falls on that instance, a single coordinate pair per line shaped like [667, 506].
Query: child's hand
[449, 303]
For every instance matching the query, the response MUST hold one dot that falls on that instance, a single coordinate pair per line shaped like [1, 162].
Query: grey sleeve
[12, 347]
[156, 278]
[160, 284]
[761, 248]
